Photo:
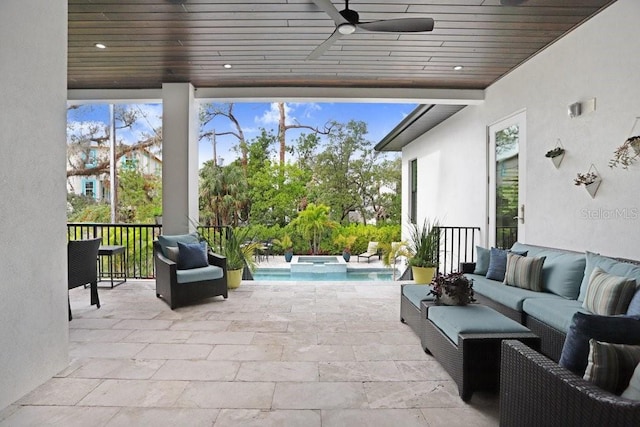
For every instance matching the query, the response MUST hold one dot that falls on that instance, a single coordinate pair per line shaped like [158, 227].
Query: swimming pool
[359, 275]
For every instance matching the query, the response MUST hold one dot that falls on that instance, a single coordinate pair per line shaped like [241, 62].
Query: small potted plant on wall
[556, 155]
[452, 289]
[627, 153]
[424, 245]
[591, 181]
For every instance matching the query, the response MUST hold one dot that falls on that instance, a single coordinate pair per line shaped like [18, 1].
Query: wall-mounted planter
[557, 160]
[592, 188]
[556, 154]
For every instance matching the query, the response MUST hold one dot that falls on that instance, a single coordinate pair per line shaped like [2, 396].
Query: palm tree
[312, 222]
[223, 194]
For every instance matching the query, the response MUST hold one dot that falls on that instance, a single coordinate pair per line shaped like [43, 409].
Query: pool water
[280, 274]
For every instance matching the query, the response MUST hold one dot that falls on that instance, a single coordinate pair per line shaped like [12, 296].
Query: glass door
[507, 140]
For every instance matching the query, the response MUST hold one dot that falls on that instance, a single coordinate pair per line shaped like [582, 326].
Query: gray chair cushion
[166, 240]
[210, 272]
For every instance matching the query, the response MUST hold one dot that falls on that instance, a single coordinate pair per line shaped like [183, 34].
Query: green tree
[336, 183]
[224, 197]
[312, 223]
[140, 196]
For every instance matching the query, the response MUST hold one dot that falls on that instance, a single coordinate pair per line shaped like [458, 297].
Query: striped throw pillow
[524, 272]
[611, 366]
[607, 294]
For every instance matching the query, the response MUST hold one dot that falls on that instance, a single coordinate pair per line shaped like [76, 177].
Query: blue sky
[380, 120]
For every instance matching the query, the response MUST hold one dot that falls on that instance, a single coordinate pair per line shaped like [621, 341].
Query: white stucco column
[179, 158]
[34, 325]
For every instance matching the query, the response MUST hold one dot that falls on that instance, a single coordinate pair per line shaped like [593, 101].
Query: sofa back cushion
[562, 272]
[609, 265]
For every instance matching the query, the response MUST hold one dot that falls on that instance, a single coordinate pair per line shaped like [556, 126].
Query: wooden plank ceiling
[267, 42]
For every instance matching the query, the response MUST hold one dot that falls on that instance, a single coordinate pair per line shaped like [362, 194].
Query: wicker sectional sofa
[565, 277]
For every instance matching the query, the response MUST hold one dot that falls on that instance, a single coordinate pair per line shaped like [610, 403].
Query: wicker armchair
[82, 267]
[535, 391]
[180, 294]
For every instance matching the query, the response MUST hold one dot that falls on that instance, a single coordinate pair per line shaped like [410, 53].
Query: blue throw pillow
[498, 263]
[611, 329]
[192, 255]
[482, 261]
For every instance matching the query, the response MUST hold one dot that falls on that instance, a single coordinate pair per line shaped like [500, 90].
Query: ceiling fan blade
[318, 51]
[402, 25]
[330, 10]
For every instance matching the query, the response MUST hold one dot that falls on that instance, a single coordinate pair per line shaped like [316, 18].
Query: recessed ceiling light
[227, 66]
[458, 67]
[100, 46]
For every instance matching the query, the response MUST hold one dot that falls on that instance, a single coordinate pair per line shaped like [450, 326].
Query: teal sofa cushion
[556, 312]
[417, 293]
[562, 272]
[508, 296]
[482, 260]
[171, 240]
[210, 272]
[471, 319]
[609, 265]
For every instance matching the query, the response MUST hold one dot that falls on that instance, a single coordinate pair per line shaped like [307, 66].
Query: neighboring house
[97, 186]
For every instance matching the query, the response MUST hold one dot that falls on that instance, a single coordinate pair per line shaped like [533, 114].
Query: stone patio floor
[272, 354]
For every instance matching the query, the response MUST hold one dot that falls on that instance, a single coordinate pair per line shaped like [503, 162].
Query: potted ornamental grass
[424, 246]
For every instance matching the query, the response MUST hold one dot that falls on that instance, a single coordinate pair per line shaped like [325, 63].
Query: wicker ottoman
[466, 341]
[410, 297]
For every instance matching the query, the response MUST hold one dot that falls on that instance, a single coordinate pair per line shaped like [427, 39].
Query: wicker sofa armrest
[535, 391]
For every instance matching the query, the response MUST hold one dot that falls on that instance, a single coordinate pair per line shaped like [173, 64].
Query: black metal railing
[506, 237]
[138, 241]
[457, 244]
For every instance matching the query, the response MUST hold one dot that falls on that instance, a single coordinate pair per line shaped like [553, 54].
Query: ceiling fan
[348, 21]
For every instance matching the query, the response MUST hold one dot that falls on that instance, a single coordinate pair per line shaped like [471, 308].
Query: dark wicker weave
[552, 339]
[474, 361]
[410, 314]
[535, 391]
[180, 294]
[82, 267]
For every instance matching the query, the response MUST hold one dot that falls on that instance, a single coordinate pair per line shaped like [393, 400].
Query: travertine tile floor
[272, 354]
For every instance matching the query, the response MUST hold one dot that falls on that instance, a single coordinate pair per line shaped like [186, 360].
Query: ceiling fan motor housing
[351, 16]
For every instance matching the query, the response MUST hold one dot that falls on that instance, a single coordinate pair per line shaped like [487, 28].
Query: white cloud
[292, 111]
[272, 115]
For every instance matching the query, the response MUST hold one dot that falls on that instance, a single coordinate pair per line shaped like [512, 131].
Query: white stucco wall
[33, 272]
[597, 60]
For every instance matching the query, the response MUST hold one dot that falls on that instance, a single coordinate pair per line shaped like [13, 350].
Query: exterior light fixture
[100, 45]
[227, 66]
[458, 67]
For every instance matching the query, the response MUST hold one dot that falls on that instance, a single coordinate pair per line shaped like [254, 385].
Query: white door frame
[518, 118]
